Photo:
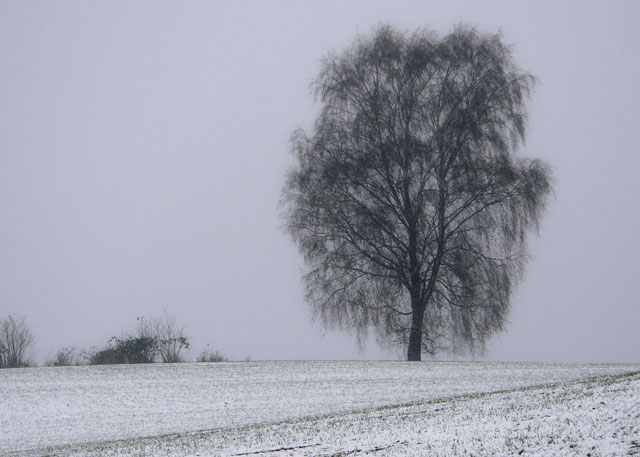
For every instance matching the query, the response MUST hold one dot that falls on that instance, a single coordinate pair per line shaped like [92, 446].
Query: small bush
[137, 350]
[211, 356]
[109, 356]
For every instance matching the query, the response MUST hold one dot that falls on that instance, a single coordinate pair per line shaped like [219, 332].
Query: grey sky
[143, 146]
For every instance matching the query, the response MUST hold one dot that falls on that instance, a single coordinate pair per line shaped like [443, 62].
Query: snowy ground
[321, 408]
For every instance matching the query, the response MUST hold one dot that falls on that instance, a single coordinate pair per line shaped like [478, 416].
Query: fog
[143, 148]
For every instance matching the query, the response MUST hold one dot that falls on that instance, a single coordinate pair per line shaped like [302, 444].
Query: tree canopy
[407, 199]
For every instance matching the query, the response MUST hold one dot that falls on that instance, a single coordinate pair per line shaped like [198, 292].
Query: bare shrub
[211, 356]
[171, 337]
[64, 357]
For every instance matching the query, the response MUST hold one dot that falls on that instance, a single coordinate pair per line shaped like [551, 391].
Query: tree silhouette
[407, 200]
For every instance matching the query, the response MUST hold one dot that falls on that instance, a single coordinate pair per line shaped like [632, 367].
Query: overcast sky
[143, 148]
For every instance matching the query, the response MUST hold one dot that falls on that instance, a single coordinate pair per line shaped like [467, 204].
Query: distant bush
[64, 357]
[108, 356]
[138, 350]
[131, 349]
[171, 338]
[211, 356]
[158, 338]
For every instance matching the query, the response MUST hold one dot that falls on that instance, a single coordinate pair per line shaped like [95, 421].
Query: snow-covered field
[321, 408]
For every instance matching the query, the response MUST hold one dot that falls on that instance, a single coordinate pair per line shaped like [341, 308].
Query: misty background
[143, 148]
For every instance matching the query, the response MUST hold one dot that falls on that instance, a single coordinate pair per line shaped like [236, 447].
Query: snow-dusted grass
[318, 408]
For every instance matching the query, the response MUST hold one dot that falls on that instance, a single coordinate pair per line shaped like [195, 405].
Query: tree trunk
[414, 353]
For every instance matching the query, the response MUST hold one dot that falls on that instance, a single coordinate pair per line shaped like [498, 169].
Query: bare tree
[408, 201]
[15, 340]
[171, 338]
